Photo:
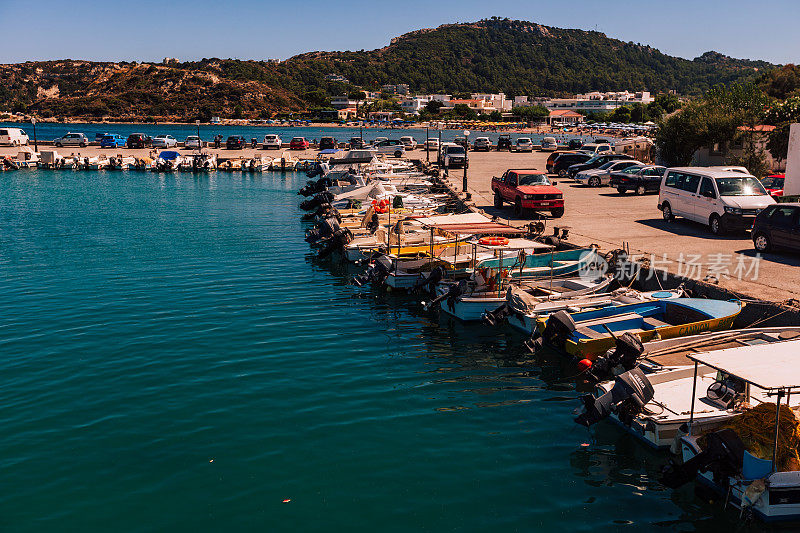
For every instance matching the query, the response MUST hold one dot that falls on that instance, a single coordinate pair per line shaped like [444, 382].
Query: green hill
[517, 57]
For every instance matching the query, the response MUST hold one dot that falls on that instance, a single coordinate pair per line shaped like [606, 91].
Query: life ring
[493, 241]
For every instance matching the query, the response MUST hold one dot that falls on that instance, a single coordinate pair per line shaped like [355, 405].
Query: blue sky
[144, 30]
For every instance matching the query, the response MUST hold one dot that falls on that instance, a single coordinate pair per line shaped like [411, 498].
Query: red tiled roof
[564, 113]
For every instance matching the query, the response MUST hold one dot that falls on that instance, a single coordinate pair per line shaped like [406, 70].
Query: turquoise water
[174, 359]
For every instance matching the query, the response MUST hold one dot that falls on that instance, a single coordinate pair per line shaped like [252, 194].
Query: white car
[601, 175]
[409, 142]
[164, 141]
[482, 143]
[596, 149]
[390, 147]
[549, 144]
[71, 139]
[432, 145]
[524, 144]
[452, 155]
[13, 137]
[272, 141]
[725, 198]
[193, 142]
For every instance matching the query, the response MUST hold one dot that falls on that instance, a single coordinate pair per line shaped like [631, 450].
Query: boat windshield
[533, 179]
[744, 186]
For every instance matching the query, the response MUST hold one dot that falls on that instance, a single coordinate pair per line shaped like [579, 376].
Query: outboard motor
[337, 241]
[433, 278]
[376, 272]
[316, 201]
[373, 224]
[558, 329]
[455, 293]
[621, 358]
[496, 317]
[631, 391]
[325, 228]
[722, 457]
[314, 187]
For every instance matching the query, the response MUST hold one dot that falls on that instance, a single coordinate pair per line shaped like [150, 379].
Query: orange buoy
[493, 241]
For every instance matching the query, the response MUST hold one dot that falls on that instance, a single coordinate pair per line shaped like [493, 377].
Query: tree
[433, 107]
[535, 113]
[621, 114]
[781, 116]
[464, 111]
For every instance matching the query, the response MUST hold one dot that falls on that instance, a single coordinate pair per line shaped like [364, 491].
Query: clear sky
[144, 30]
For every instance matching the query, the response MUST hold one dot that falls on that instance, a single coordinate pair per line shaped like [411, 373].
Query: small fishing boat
[482, 299]
[587, 334]
[166, 161]
[524, 312]
[668, 370]
[753, 461]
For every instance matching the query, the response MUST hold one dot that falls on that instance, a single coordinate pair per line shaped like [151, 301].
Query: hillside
[519, 58]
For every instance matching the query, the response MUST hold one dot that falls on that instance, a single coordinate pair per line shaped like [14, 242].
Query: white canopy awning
[767, 366]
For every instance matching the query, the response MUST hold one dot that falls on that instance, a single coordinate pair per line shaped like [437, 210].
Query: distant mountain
[517, 57]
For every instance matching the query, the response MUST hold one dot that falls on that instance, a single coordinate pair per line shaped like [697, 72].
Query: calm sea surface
[174, 359]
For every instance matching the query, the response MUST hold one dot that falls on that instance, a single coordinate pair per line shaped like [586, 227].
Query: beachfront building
[498, 101]
[564, 117]
[723, 153]
[381, 115]
[414, 104]
[343, 102]
[597, 101]
[348, 113]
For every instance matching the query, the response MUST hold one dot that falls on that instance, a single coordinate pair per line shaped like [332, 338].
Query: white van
[13, 137]
[725, 198]
[596, 149]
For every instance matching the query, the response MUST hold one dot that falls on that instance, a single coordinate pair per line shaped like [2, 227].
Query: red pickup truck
[528, 189]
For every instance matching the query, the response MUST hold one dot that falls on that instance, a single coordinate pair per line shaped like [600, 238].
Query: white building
[597, 101]
[414, 104]
[495, 101]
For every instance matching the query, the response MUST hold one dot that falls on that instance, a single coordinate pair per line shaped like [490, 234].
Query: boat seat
[609, 319]
[590, 333]
[656, 323]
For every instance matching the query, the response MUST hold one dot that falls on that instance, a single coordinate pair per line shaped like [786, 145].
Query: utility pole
[35, 141]
[466, 157]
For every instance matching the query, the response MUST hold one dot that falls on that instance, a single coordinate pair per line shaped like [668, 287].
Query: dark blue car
[112, 141]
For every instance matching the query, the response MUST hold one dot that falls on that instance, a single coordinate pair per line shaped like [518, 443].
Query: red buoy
[584, 364]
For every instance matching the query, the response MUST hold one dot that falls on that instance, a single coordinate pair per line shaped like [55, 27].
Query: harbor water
[175, 359]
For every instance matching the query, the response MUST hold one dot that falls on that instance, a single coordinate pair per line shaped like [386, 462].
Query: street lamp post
[466, 157]
[35, 141]
[427, 152]
[199, 141]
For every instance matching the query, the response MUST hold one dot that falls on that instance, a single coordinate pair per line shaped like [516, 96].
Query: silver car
[164, 141]
[71, 139]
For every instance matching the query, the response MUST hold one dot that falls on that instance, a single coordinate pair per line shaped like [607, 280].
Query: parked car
[409, 142]
[452, 155]
[524, 144]
[272, 141]
[597, 177]
[504, 142]
[193, 142]
[777, 226]
[356, 143]
[112, 140]
[138, 140]
[549, 144]
[379, 140]
[575, 144]
[71, 139]
[482, 144]
[390, 147]
[164, 141]
[564, 160]
[640, 179]
[596, 148]
[327, 143]
[13, 137]
[528, 189]
[774, 184]
[725, 198]
[594, 162]
[432, 145]
[298, 143]
[235, 142]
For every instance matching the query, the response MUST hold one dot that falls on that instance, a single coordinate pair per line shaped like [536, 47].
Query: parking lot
[603, 216]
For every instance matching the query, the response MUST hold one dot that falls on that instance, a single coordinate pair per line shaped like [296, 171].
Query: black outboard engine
[622, 357]
[558, 329]
[315, 170]
[337, 241]
[316, 201]
[376, 272]
[436, 275]
[722, 457]
[325, 228]
[631, 391]
[373, 224]
[455, 293]
[496, 317]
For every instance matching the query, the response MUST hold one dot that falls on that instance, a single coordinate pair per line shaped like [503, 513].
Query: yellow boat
[588, 334]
